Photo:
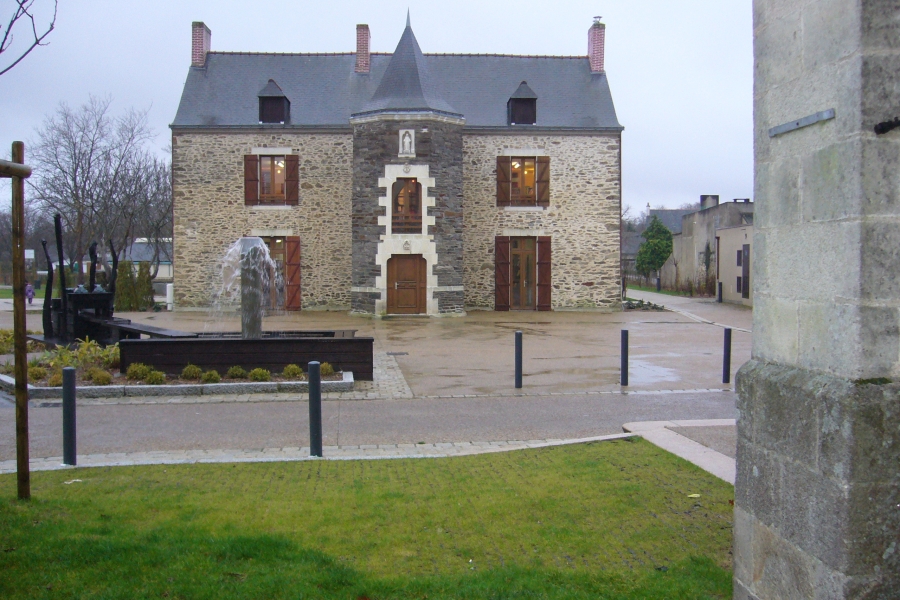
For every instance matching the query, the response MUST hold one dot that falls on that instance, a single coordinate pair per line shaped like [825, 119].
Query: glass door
[522, 275]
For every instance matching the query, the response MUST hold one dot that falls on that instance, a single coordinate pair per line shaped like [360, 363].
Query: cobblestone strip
[362, 452]
[369, 392]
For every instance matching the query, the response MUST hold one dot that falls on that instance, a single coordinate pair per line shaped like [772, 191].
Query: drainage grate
[398, 353]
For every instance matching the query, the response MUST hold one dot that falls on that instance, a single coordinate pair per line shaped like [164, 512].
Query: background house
[695, 259]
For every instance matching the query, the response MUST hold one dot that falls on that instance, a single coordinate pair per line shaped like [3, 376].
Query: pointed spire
[406, 85]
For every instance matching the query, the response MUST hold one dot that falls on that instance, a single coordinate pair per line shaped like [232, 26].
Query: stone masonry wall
[210, 215]
[376, 144]
[582, 219]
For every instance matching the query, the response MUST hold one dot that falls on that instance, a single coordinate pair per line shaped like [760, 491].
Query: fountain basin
[273, 351]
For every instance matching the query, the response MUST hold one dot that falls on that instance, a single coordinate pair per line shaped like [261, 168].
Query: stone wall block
[879, 31]
[879, 265]
[775, 329]
[880, 85]
[874, 523]
[764, 472]
[831, 190]
[779, 180]
[880, 175]
[831, 33]
[778, 62]
[823, 329]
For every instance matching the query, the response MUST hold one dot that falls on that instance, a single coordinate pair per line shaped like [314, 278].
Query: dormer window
[274, 107]
[521, 109]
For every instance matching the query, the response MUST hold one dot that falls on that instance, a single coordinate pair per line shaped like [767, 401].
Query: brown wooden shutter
[542, 180]
[543, 273]
[292, 273]
[251, 179]
[504, 167]
[292, 179]
[501, 273]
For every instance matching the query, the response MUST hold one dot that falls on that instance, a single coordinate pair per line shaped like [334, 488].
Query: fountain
[249, 277]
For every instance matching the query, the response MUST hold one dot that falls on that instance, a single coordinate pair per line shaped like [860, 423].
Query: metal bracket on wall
[824, 115]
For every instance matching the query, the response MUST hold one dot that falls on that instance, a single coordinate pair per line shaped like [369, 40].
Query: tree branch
[23, 11]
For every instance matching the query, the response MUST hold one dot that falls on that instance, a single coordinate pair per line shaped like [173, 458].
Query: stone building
[696, 254]
[402, 183]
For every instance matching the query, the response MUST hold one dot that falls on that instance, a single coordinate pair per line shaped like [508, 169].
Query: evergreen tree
[656, 248]
[144, 287]
[126, 287]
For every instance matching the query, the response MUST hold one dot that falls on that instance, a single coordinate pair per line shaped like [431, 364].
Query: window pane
[278, 177]
[522, 181]
[265, 175]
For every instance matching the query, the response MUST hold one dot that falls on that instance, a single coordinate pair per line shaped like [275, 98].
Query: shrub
[99, 376]
[326, 369]
[191, 372]
[36, 373]
[210, 377]
[260, 375]
[137, 371]
[155, 378]
[236, 373]
[292, 372]
[88, 354]
[110, 357]
[55, 379]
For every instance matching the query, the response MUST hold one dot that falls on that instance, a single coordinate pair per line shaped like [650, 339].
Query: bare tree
[94, 170]
[22, 19]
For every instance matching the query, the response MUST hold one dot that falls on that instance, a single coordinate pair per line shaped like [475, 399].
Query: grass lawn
[601, 520]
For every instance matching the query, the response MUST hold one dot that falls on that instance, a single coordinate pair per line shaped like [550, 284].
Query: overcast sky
[680, 72]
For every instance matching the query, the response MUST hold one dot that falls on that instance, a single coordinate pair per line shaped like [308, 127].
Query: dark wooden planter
[273, 352]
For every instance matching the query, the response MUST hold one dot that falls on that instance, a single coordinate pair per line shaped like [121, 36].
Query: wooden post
[19, 341]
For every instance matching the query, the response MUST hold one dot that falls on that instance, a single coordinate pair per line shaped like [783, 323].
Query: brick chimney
[201, 37]
[596, 45]
[362, 49]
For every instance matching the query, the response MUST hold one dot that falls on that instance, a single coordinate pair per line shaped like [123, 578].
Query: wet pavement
[459, 373]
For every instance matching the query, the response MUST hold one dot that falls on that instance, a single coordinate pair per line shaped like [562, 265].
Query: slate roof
[671, 217]
[407, 84]
[271, 90]
[525, 92]
[325, 91]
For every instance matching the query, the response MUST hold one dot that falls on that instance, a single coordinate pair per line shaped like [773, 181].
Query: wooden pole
[19, 341]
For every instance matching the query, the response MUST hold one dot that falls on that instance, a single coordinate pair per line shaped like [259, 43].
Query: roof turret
[407, 85]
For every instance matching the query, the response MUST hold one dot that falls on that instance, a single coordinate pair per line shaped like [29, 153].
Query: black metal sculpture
[92, 251]
[57, 225]
[47, 316]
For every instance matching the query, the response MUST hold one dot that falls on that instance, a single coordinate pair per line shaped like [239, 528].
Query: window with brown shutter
[251, 179]
[292, 273]
[501, 273]
[292, 179]
[542, 181]
[523, 181]
[543, 273]
[271, 179]
[503, 168]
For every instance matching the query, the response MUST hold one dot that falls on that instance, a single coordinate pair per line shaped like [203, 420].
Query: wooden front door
[522, 273]
[407, 284]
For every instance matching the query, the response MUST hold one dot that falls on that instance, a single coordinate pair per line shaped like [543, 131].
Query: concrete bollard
[68, 414]
[315, 409]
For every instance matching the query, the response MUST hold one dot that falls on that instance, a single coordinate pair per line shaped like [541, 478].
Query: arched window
[406, 215]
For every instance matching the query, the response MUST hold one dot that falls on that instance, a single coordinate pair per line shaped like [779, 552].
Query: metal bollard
[658, 285]
[518, 360]
[624, 366]
[726, 359]
[315, 409]
[719, 296]
[68, 414]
